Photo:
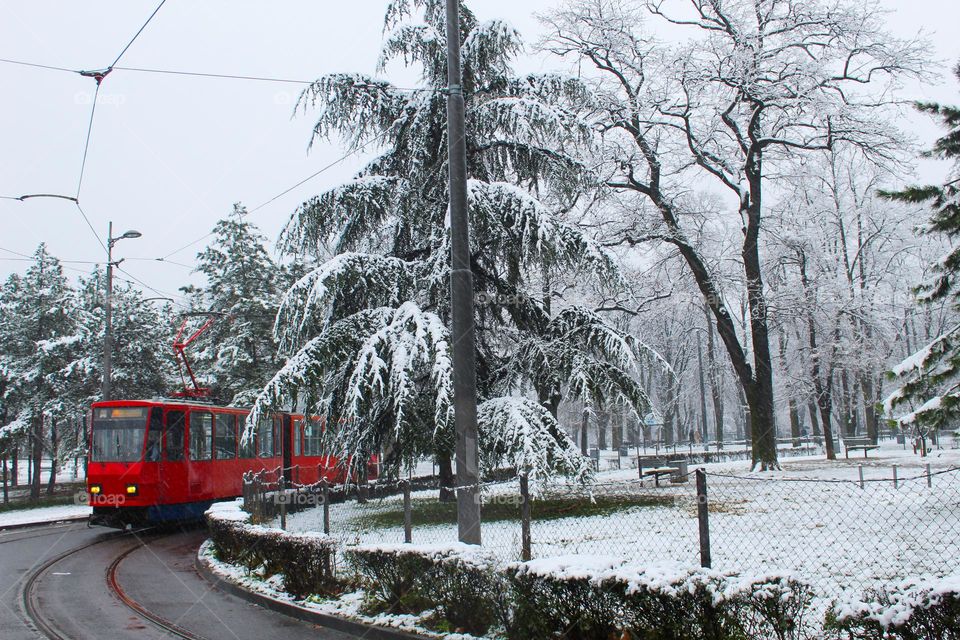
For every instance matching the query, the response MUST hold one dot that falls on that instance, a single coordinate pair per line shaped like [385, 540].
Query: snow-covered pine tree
[367, 331]
[40, 332]
[238, 352]
[929, 398]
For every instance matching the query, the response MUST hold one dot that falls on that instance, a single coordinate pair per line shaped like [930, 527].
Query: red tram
[154, 461]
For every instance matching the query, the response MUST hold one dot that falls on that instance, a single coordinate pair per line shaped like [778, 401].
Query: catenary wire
[137, 34]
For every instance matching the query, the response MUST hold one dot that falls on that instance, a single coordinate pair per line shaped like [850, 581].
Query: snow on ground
[347, 605]
[68, 472]
[43, 514]
[811, 518]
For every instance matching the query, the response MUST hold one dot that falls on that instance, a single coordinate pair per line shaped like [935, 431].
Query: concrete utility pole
[105, 387]
[461, 296]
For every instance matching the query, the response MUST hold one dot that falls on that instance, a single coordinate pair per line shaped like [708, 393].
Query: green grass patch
[44, 501]
[433, 512]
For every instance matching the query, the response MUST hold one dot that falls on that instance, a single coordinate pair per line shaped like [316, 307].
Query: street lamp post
[105, 387]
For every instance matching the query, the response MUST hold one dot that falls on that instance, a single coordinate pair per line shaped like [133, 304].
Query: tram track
[161, 623]
[30, 598]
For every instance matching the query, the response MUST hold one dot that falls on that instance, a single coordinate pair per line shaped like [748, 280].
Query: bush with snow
[913, 610]
[458, 581]
[304, 560]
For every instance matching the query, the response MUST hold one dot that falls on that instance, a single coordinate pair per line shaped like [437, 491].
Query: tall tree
[367, 330]
[36, 347]
[759, 82]
[929, 397]
[238, 351]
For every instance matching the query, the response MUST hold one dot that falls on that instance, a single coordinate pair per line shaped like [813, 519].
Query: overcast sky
[169, 154]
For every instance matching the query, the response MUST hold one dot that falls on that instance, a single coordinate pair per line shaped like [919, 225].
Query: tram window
[225, 437]
[201, 435]
[297, 435]
[154, 435]
[248, 448]
[312, 434]
[175, 424]
[118, 434]
[265, 439]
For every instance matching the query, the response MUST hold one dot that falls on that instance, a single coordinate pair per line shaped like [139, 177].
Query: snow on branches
[529, 438]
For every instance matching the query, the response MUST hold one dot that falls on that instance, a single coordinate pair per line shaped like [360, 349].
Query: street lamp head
[131, 234]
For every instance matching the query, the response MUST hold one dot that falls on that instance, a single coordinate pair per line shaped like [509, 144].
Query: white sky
[170, 154]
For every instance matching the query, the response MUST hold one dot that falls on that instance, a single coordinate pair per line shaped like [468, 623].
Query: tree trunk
[814, 422]
[603, 419]
[704, 429]
[716, 389]
[447, 484]
[53, 457]
[37, 457]
[794, 421]
[617, 430]
[15, 465]
[584, 434]
[822, 385]
[869, 408]
[6, 489]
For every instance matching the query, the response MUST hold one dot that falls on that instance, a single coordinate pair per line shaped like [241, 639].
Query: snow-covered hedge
[304, 560]
[589, 597]
[458, 581]
[910, 611]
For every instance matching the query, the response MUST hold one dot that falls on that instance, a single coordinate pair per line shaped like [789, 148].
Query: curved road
[69, 581]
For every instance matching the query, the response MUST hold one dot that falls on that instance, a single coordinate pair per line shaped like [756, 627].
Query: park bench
[857, 444]
[657, 467]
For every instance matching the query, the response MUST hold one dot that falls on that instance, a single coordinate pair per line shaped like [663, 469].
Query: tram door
[286, 446]
[173, 473]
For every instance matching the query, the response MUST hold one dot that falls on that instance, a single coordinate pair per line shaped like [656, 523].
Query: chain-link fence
[841, 536]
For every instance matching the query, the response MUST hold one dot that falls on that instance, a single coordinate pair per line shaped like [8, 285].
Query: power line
[86, 144]
[38, 66]
[226, 76]
[286, 191]
[137, 34]
[94, 231]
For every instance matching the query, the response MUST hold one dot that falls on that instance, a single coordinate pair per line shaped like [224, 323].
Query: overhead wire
[37, 65]
[137, 34]
[286, 191]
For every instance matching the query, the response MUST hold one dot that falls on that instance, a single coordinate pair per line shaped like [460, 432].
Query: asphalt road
[72, 595]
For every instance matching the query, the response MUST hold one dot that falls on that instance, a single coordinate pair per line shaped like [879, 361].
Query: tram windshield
[118, 434]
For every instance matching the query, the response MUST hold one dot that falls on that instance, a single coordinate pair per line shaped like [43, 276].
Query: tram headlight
[95, 489]
[131, 489]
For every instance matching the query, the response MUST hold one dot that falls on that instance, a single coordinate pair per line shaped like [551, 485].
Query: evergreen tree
[931, 377]
[39, 332]
[367, 330]
[142, 359]
[238, 351]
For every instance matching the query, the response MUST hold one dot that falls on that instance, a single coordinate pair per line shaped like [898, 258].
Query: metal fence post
[896, 482]
[703, 516]
[860, 469]
[407, 513]
[929, 477]
[282, 496]
[325, 488]
[525, 541]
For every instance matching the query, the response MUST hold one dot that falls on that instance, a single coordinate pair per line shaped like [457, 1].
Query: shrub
[910, 611]
[457, 580]
[770, 606]
[559, 597]
[670, 602]
[305, 561]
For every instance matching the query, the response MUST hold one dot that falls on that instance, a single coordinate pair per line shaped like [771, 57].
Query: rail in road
[83, 584]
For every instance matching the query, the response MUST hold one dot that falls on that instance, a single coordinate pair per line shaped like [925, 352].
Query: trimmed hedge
[596, 599]
[458, 581]
[910, 611]
[305, 561]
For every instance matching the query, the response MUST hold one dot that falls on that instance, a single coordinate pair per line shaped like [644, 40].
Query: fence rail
[842, 536]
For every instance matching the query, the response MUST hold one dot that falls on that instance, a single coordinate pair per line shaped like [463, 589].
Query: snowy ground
[68, 472]
[348, 605]
[811, 518]
[43, 514]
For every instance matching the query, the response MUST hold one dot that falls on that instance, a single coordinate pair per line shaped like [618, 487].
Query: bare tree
[760, 82]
